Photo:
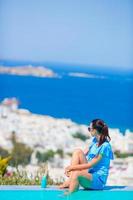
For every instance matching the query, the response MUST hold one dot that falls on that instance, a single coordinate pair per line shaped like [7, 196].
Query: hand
[67, 170]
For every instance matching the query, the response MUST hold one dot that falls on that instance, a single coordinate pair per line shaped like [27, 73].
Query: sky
[85, 32]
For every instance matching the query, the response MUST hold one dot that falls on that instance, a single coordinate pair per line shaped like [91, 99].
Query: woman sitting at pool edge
[90, 168]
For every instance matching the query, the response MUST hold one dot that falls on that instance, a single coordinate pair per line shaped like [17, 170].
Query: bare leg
[65, 184]
[78, 157]
[77, 177]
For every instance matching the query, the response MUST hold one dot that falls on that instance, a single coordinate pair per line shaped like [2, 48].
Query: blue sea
[77, 98]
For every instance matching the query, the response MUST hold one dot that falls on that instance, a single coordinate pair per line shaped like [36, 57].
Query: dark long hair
[102, 129]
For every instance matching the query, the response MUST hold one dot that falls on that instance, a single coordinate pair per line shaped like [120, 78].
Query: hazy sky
[90, 32]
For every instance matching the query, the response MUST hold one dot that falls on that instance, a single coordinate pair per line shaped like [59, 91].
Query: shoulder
[106, 149]
[106, 144]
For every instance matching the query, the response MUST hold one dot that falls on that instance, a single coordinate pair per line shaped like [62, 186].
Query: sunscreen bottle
[44, 178]
[44, 181]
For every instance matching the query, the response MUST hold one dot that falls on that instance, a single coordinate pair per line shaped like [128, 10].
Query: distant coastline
[28, 70]
[74, 94]
[85, 75]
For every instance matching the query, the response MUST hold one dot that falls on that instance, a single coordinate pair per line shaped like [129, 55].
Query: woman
[90, 168]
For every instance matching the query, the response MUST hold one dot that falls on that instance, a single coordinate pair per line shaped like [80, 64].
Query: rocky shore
[29, 70]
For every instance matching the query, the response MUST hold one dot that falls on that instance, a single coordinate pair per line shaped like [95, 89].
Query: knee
[78, 151]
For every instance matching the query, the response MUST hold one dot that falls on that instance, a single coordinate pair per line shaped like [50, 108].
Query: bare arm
[88, 165]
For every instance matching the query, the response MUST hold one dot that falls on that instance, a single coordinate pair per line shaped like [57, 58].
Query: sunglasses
[90, 129]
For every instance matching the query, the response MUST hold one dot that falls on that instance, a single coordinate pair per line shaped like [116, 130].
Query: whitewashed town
[43, 133]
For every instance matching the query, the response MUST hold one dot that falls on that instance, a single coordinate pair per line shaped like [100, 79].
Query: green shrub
[22, 178]
[122, 155]
[3, 152]
[48, 155]
[18, 178]
[60, 152]
[80, 136]
[21, 154]
[69, 154]
[3, 165]
[45, 156]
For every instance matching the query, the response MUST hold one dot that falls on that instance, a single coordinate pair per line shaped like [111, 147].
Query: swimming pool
[37, 193]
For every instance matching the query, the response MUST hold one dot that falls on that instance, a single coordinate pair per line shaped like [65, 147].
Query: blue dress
[100, 171]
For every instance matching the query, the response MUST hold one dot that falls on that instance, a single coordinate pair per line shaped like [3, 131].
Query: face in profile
[92, 130]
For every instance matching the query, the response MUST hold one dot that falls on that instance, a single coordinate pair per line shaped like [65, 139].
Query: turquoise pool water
[58, 195]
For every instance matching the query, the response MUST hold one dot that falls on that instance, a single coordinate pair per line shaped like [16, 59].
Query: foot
[64, 185]
[68, 174]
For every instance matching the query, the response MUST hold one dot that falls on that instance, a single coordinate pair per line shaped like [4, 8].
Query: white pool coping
[53, 188]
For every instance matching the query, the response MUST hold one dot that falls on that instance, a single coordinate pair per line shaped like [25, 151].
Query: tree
[45, 156]
[3, 152]
[21, 153]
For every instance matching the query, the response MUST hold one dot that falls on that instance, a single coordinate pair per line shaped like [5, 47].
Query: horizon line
[65, 64]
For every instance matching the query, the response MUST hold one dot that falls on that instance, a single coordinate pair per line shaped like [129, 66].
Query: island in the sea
[28, 70]
[85, 75]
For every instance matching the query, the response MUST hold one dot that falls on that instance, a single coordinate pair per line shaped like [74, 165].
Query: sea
[107, 94]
